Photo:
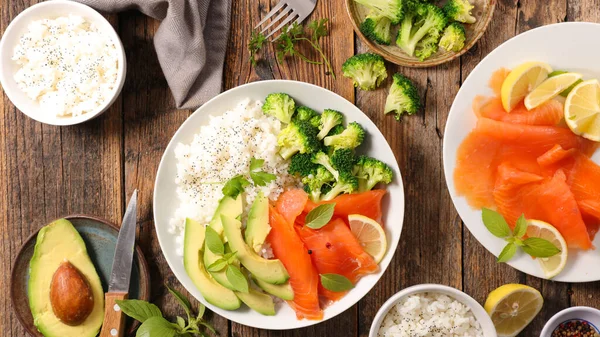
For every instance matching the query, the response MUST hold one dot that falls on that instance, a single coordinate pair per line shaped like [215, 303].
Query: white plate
[165, 197]
[564, 46]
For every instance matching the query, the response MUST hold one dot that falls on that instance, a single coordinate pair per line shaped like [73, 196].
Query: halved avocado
[283, 291]
[227, 206]
[257, 227]
[270, 271]
[212, 291]
[56, 243]
[258, 301]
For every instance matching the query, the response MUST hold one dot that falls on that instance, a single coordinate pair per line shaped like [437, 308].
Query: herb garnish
[260, 178]
[287, 44]
[320, 216]
[155, 325]
[235, 186]
[536, 247]
[336, 283]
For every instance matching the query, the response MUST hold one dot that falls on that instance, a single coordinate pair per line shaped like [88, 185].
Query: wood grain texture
[47, 172]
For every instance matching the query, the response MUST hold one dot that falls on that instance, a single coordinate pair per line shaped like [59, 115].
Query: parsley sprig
[289, 42]
[236, 185]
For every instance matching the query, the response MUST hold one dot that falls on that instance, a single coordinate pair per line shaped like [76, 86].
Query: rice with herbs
[430, 315]
[221, 150]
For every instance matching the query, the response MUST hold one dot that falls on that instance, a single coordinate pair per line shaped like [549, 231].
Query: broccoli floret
[459, 10]
[453, 38]
[299, 136]
[321, 158]
[280, 106]
[427, 47]
[304, 113]
[328, 120]
[313, 184]
[347, 183]
[336, 130]
[392, 9]
[378, 28]
[366, 70]
[301, 164]
[343, 160]
[403, 97]
[350, 138]
[421, 21]
[370, 172]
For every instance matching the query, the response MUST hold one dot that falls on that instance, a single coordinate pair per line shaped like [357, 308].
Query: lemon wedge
[550, 88]
[521, 81]
[582, 110]
[369, 234]
[512, 307]
[553, 265]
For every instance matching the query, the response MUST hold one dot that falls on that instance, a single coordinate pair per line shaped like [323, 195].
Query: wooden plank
[586, 294]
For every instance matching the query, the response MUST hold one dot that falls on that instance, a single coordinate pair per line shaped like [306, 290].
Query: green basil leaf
[201, 310]
[256, 164]
[262, 178]
[230, 257]
[218, 265]
[335, 282]
[520, 227]
[495, 223]
[208, 326]
[156, 327]
[507, 253]
[139, 310]
[183, 301]
[236, 278]
[320, 216]
[538, 247]
[235, 186]
[181, 322]
[213, 242]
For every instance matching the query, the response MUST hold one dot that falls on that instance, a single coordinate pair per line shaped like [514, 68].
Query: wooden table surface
[48, 172]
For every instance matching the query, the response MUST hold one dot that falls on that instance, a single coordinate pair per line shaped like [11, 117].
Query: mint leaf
[218, 265]
[507, 253]
[495, 223]
[320, 216]
[520, 227]
[235, 186]
[256, 164]
[139, 310]
[213, 242]
[236, 278]
[156, 327]
[538, 247]
[336, 283]
[262, 178]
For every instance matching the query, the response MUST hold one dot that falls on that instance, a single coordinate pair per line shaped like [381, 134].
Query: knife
[118, 286]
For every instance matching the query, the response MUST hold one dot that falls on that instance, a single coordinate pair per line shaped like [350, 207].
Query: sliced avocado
[212, 291]
[56, 243]
[219, 276]
[270, 271]
[257, 227]
[258, 301]
[227, 206]
[283, 291]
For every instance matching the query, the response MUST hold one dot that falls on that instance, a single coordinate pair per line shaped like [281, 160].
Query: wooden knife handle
[114, 319]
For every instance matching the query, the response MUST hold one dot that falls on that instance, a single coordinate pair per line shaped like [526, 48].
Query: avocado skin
[56, 243]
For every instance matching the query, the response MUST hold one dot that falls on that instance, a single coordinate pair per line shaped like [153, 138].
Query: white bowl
[591, 315]
[166, 200]
[46, 10]
[480, 315]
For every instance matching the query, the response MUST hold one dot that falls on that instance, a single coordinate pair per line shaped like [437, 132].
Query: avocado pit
[70, 295]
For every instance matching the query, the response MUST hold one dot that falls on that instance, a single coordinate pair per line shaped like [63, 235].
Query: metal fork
[294, 9]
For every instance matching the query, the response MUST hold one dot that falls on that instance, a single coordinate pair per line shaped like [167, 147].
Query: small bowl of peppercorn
[574, 322]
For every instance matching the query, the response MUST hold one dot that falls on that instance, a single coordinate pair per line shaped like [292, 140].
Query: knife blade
[120, 275]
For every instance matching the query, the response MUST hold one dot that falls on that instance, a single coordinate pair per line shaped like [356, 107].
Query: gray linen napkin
[190, 43]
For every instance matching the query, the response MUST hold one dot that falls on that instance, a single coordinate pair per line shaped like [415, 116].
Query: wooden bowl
[100, 237]
[483, 11]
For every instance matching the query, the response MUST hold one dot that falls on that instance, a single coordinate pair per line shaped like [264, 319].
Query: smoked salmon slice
[365, 203]
[549, 113]
[304, 279]
[291, 203]
[334, 249]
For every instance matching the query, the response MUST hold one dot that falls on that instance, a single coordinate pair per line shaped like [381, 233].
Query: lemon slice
[512, 307]
[550, 88]
[582, 110]
[521, 81]
[370, 234]
[553, 265]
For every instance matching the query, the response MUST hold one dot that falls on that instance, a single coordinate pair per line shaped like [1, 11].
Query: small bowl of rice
[432, 310]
